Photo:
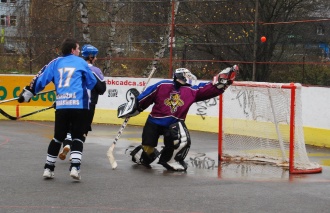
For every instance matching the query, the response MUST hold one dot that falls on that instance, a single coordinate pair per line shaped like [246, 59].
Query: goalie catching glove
[226, 77]
[25, 95]
[130, 108]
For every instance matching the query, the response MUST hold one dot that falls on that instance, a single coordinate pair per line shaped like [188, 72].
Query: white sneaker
[48, 174]
[75, 173]
[64, 152]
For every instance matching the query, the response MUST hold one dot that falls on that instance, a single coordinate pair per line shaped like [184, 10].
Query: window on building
[8, 1]
[3, 20]
[320, 30]
[8, 20]
[12, 20]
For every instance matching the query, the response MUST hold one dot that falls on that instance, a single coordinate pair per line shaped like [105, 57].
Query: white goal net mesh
[256, 121]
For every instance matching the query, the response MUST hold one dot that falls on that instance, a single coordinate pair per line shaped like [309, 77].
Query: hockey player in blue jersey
[89, 53]
[171, 101]
[72, 78]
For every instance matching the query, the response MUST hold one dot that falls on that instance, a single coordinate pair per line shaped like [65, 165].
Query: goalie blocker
[130, 108]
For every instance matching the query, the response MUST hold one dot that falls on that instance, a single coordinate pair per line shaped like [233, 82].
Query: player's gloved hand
[25, 95]
[226, 77]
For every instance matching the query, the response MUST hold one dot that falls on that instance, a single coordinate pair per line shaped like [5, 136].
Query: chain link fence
[203, 36]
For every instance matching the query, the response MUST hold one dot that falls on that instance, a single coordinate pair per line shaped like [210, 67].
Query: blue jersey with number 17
[71, 77]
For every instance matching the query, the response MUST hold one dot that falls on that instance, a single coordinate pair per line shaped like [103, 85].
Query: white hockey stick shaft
[112, 147]
[13, 99]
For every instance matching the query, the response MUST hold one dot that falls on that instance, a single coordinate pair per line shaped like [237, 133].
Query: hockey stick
[112, 147]
[22, 116]
[13, 99]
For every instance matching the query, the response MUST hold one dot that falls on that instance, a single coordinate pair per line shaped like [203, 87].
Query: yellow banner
[12, 85]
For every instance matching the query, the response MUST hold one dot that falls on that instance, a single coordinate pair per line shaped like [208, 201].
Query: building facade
[14, 22]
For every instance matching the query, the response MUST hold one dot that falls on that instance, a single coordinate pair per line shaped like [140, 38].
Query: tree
[228, 30]
[209, 35]
[84, 19]
[50, 24]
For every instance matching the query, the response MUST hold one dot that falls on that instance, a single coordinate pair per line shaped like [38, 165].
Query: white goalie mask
[184, 76]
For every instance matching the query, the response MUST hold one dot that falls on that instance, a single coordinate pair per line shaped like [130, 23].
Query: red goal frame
[292, 87]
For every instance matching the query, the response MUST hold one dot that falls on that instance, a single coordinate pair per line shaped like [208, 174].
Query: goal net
[263, 122]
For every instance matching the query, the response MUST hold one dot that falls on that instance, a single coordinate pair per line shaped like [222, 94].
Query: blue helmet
[89, 50]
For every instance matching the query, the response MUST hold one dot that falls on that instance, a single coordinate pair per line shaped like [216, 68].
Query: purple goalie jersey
[171, 104]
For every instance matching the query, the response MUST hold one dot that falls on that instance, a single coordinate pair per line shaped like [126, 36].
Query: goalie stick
[22, 116]
[121, 129]
[13, 99]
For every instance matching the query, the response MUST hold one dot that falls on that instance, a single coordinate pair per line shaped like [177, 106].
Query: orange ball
[263, 39]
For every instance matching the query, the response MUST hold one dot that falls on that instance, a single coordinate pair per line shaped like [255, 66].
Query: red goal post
[260, 121]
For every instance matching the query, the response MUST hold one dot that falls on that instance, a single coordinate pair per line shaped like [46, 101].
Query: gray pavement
[205, 187]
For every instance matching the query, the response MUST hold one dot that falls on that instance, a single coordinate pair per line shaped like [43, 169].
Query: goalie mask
[184, 76]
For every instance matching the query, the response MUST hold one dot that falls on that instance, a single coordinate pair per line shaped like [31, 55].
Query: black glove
[25, 95]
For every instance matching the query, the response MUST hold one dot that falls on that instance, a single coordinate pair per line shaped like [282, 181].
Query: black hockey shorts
[74, 120]
[152, 132]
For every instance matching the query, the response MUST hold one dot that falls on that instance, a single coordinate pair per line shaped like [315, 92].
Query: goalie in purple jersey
[72, 78]
[172, 100]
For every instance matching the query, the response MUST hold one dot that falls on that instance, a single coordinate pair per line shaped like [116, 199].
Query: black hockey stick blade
[22, 116]
[7, 115]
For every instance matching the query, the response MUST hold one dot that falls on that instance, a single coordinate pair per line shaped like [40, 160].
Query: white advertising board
[315, 100]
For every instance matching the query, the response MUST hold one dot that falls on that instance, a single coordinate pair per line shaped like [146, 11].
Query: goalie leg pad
[173, 159]
[176, 149]
[139, 156]
[179, 133]
[136, 154]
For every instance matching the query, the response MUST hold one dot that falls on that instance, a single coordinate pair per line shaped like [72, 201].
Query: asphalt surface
[205, 187]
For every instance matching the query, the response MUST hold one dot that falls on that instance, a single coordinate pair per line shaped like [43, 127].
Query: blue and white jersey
[72, 78]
